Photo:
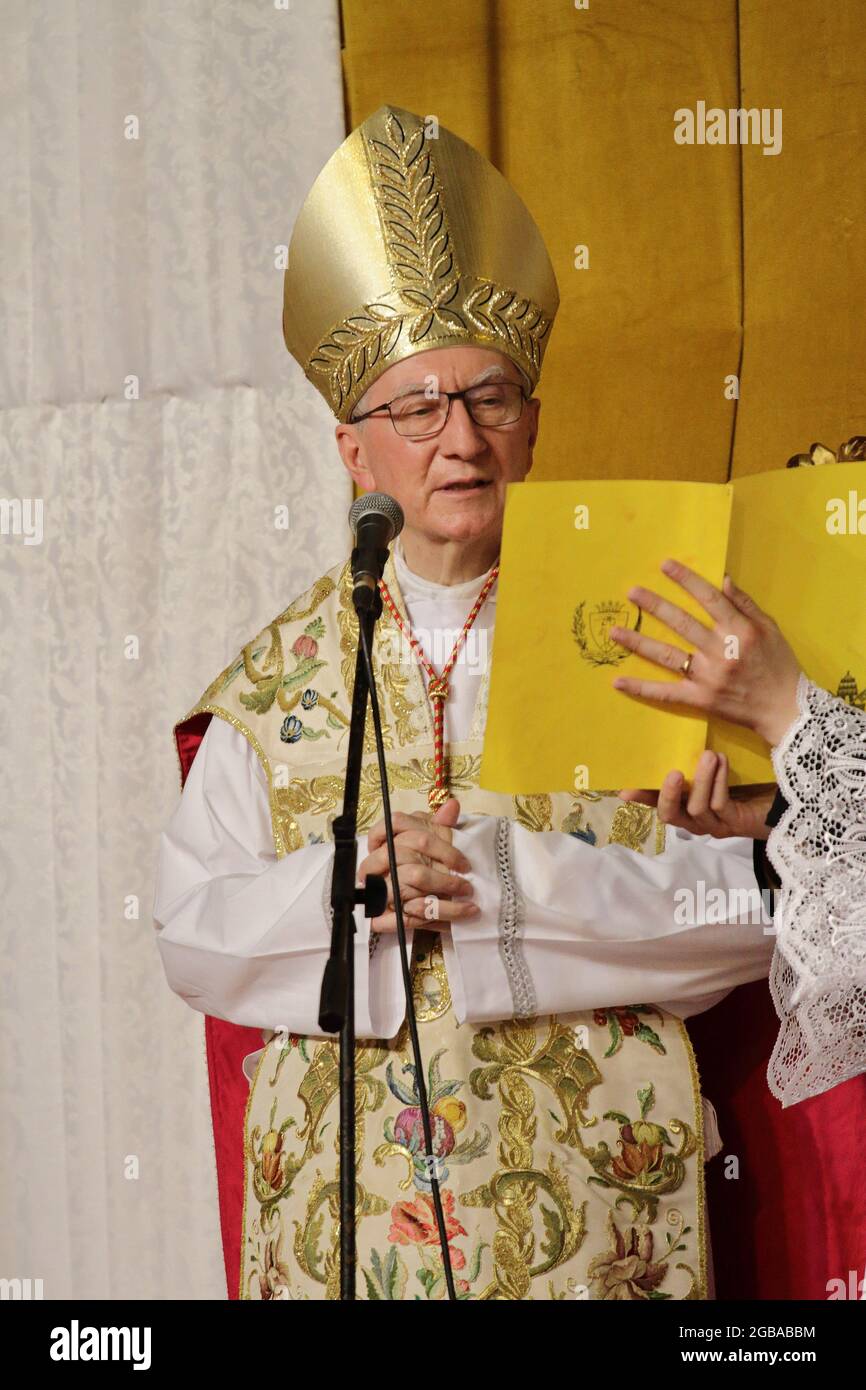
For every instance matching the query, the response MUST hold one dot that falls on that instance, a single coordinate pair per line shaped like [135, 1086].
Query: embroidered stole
[570, 1148]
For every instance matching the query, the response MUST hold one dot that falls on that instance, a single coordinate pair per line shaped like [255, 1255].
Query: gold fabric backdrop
[686, 243]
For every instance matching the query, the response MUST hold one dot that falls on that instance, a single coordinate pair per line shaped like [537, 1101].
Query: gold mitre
[409, 240]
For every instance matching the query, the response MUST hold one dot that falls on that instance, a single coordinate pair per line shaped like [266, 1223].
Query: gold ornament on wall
[852, 451]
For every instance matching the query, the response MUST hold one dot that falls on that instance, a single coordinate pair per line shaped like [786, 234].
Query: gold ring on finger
[687, 665]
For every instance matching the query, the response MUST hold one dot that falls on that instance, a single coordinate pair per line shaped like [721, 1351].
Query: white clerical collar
[415, 585]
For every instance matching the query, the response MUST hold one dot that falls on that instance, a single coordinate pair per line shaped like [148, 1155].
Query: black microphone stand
[337, 1001]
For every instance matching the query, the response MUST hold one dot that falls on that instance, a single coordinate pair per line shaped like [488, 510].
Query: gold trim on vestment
[701, 1177]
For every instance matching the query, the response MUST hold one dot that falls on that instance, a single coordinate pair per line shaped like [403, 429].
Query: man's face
[417, 472]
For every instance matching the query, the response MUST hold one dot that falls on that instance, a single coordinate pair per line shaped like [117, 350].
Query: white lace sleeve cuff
[818, 849]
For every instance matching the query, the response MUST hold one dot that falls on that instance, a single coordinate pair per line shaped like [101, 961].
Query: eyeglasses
[418, 416]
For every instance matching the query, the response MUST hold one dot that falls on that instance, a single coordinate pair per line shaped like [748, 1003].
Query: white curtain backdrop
[153, 156]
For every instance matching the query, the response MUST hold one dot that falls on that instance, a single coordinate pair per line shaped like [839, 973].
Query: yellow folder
[795, 539]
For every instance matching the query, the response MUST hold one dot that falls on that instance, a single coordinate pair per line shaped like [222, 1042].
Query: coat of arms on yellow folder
[592, 630]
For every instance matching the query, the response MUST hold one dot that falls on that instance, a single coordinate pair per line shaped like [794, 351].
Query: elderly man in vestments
[551, 978]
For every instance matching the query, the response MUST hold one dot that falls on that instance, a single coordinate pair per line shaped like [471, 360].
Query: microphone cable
[430, 1160]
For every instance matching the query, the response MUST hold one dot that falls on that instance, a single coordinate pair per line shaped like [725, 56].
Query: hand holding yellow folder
[571, 552]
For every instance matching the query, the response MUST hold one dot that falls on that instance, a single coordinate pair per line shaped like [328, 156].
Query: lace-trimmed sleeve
[511, 915]
[818, 849]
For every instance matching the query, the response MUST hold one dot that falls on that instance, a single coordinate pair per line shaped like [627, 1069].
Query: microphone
[375, 520]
